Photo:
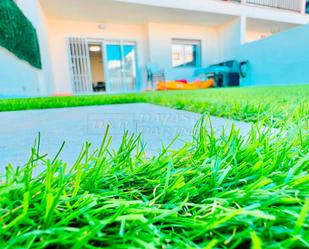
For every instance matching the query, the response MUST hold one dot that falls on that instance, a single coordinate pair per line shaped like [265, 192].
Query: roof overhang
[110, 11]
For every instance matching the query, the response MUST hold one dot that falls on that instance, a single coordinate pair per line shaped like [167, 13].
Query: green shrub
[17, 34]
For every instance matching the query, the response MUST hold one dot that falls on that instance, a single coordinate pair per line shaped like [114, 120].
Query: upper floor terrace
[250, 20]
[289, 11]
[298, 6]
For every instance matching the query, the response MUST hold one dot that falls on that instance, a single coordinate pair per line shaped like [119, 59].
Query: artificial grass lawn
[222, 192]
[215, 192]
[274, 105]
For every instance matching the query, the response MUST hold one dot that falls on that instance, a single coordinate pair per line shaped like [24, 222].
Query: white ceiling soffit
[119, 12]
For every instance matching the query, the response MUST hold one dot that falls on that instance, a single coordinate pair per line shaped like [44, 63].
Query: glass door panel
[121, 66]
[114, 67]
[129, 56]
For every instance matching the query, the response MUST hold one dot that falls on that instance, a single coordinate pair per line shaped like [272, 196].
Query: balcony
[291, 5]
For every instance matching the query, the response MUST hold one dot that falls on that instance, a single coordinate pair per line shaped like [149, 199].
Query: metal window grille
[80, 65]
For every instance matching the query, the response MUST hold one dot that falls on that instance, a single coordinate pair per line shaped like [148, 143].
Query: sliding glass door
[129, 52]
[102, 66]
[121, 66]
[114, 68]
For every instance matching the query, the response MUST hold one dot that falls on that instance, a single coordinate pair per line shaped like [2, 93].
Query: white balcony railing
[292, 5]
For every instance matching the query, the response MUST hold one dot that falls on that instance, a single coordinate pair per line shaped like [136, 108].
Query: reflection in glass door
[114, 67]
[129, 57]
[121, 66]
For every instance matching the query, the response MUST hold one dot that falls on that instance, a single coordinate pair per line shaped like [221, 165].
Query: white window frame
[184, 43]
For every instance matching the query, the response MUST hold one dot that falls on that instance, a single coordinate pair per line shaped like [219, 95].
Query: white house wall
[33, 11]
[231, 38]
[160, 46]
[252, 36]
[17, 77]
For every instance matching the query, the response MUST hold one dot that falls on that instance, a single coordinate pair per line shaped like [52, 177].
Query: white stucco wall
[230, 38]
[255, 36]
[33, 11]
[279, 59]
[160, 46]
[17, 77]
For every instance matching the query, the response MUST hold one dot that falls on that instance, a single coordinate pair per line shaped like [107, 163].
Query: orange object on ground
[176, 85]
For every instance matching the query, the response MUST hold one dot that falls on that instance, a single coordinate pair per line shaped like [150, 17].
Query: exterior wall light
[102, 26]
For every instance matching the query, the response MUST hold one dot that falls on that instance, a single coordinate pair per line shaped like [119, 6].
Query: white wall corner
[231, 36]
[243, 29]
[303, 6]
[33, 11]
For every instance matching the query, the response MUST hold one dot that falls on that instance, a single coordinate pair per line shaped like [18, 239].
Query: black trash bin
[230, 78]
[233, 79]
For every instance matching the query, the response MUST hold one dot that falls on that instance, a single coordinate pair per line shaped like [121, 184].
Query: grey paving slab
[159, 126]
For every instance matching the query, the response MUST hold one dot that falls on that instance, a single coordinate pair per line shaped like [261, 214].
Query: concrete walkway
[159, 125]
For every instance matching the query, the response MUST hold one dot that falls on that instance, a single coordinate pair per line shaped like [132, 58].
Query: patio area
[159, 126]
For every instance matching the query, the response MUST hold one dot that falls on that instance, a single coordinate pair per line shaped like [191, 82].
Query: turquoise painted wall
[281, 59]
